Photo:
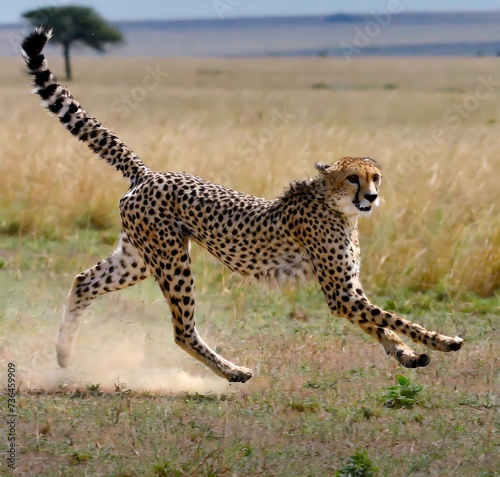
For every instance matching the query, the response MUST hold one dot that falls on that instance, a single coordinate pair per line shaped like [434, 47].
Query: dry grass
[438, 226]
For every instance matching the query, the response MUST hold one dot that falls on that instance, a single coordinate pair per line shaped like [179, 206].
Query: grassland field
[320, 402]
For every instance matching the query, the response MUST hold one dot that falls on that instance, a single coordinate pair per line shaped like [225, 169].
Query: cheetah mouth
[366, 208]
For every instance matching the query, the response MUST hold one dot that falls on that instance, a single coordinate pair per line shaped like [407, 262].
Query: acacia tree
[75, 24]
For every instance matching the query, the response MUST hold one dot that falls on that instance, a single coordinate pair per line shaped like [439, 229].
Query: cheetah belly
[258, 257]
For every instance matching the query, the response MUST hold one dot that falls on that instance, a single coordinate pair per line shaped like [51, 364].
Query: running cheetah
[310, 230]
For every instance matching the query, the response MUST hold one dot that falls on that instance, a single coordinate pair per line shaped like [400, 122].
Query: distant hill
[403, 34]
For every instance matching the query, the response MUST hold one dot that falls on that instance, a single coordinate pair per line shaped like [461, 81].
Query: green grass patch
[405, 394]
[358, 465]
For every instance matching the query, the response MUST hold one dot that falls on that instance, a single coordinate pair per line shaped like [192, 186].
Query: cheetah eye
[376, 178]
[354, 179]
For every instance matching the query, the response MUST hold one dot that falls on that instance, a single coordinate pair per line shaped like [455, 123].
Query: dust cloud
[112, 354]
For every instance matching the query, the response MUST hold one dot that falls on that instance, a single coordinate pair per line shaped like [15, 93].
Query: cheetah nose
[371, 197]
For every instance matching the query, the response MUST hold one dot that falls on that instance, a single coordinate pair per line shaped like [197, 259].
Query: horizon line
[296, 15]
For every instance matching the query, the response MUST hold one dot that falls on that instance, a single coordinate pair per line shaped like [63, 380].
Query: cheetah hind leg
[174, 275]
[122, 269]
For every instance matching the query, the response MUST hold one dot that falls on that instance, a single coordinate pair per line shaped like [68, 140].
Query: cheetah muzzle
[311, 230]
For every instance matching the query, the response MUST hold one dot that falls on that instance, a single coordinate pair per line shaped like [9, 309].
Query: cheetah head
[352, 185]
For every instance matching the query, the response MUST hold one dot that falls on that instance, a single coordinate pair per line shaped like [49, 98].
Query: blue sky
[10, 12]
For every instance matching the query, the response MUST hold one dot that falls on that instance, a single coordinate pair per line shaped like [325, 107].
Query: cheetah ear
[322, 167]
[333, 174]
[370, 160]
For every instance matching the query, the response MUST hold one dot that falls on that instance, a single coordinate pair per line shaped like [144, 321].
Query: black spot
[47, 92]
[455, 346]
[66, 118]
[56, 106]
[423, 360]
[35, 62]
[77, 127]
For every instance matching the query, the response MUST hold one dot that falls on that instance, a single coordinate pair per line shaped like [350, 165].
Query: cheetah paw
[239, 375]
[417, 361]
[455, 344]
[408, 359]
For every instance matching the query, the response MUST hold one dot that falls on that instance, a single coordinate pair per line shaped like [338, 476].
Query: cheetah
[311, 230]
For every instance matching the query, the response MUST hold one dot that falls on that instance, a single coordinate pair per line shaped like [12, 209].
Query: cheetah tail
[59, 101]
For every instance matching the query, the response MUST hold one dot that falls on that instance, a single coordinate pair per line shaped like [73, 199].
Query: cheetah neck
[351, 228]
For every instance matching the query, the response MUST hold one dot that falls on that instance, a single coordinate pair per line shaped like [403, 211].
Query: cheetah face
[363, 188]
[352, 185]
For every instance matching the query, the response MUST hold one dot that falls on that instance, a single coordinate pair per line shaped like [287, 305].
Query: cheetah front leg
[346, 299]
[175, 276]
[123, 268]
[383, 326]
[393, 346]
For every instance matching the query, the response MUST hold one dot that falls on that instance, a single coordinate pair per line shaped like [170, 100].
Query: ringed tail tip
[33, 45]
